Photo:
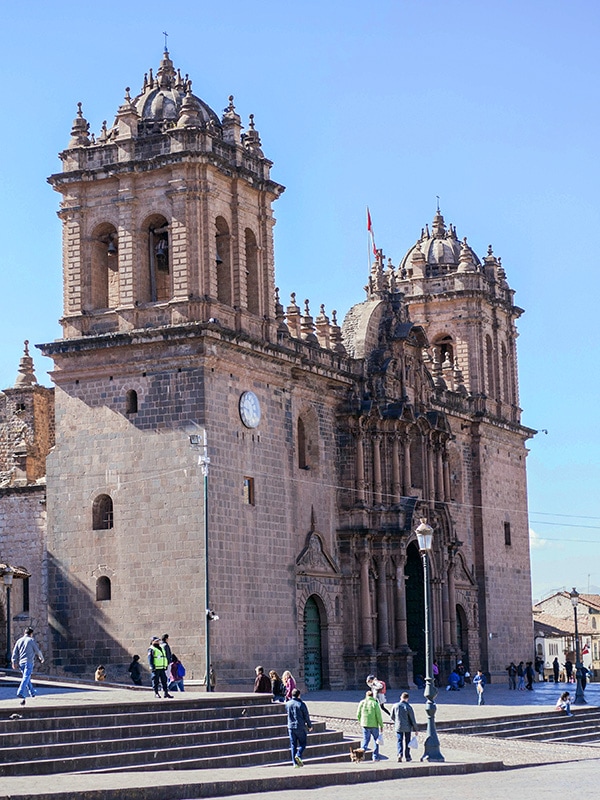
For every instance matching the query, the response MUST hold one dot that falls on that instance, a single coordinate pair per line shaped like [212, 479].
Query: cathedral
[326, 442]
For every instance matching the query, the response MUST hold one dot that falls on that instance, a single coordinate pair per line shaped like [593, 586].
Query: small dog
[357, 755]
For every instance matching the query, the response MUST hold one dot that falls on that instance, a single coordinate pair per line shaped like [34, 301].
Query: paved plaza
[462, 753]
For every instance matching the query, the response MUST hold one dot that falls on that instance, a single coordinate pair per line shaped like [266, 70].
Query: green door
[313, 673]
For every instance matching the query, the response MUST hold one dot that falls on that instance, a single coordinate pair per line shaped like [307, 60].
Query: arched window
[131, 402]
[157, 280]
[104, 287]
[445, 351]
[302, 460]
[223, 258]
[252, 277]
[594, 623]
[103, 588]
[102, 513]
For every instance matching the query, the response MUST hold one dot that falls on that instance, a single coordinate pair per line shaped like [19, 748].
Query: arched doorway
[462, 634]
[313, 645]
[415, 608]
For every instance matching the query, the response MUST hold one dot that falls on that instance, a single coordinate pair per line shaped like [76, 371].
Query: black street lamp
[579, 695]
[431, 751]
[209, 615]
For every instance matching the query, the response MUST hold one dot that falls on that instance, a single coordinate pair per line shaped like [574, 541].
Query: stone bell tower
[467, 309]
[166, 215]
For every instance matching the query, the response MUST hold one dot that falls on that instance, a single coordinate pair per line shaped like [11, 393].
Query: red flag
[585, 650]
[370, 229]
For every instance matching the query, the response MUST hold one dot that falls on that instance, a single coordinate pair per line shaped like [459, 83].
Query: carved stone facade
[327, 443]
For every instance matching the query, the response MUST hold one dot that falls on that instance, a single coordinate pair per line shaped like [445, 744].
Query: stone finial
[282, 328]
[127, 119]
[80, 130]
[335, 335]
[293, 317]
[322, 326]
[26, 374]
[166, 72]
[232, 124]
[252, 138]
[438, 226]
[189, 115]
[307, 326]
[466, 262]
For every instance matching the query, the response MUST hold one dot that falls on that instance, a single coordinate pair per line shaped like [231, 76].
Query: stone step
[122, 757]
[30, 735]
[49, 719]
[316, 753]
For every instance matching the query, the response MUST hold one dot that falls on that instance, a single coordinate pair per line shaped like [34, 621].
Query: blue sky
[492, 106]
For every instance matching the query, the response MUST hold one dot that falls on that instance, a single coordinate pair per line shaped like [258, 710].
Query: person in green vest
[369, 716]
[158, 663]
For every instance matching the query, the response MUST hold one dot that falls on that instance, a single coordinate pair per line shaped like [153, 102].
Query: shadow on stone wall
[72, 607]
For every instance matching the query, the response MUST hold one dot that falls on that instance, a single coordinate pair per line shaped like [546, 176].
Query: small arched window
[103, 588]
[594, 623]
[302, 457]
[102, 513]
[131, 402]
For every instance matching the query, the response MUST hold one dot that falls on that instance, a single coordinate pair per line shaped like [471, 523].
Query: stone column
[446, 614]
[401, 632]
[360, 467]
[383, 626]
[428, 461]
[446, 470]
[452, 602]
[396, 488]
[439, 476]
[365, 604]
[406, 473]
[377, 469]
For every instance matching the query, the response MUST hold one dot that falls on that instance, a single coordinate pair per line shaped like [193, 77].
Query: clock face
[250, 409]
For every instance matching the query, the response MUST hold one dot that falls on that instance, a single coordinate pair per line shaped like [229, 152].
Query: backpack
[180, 670]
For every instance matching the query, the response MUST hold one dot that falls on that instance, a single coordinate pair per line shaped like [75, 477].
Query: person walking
[157, 661]
[479, 681]
[262, 684]
[405, 725]
[299, 724]
[555, 669]
[568, 665]
[529, 676]
[23, 657]
[371, 721]
[521, 676]
[135, 670]
[176, 675]
[379, 689]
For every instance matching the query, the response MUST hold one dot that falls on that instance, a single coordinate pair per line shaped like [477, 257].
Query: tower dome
[440, 249]
[160, 101]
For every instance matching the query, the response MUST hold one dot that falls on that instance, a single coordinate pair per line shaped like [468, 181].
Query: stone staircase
[545, 726]
[196, 733]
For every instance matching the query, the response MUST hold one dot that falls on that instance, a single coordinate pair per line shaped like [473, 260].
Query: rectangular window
[25, 595]
[249, 491]
[507, 533]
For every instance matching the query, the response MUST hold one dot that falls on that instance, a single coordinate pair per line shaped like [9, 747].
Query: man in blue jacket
[298, 725]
